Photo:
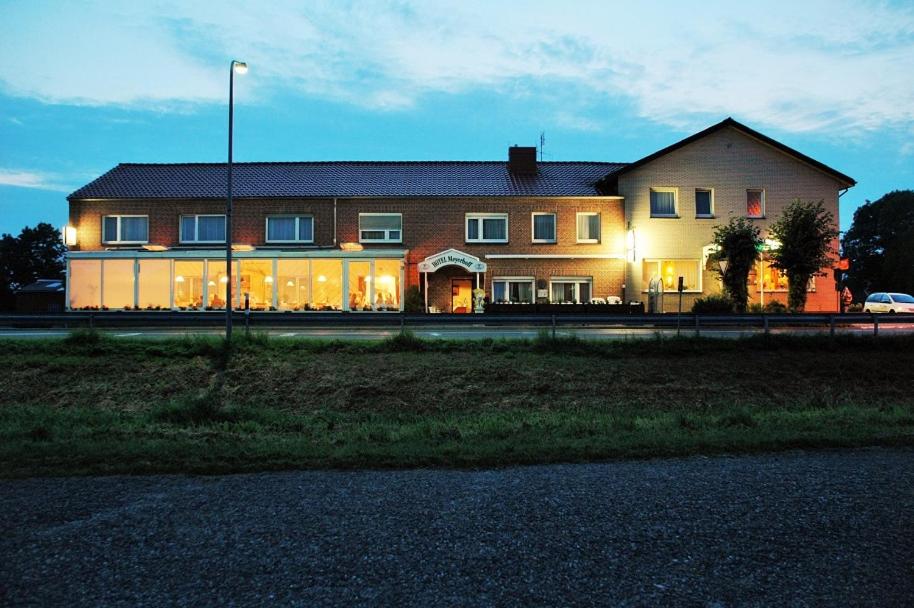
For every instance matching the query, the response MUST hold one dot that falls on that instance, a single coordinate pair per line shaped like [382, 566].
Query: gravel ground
[795, 529]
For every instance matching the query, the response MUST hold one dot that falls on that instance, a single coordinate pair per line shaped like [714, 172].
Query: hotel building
[353, 236]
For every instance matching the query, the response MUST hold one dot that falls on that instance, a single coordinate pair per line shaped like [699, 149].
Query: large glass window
[543, 227]
[202, 228]
[516, 290]
[326, 284]
[155, 284]
[188, 284]
[487, 227]
[774, 279]
[293, 284]
[755, 203]
[359, 286]
[704, 203]
[290, 229]
[387, 285]
[125, 229]
[256, 280]
[380, 227]
[663, 202]
[85, 284]
[669, 271]
[571, 289]
[118, 284]
[216, 284]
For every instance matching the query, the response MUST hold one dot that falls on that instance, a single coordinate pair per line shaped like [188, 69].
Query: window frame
[675, 192]
[119, 241]
[577, 235]
[197, 216]
[555, 234]
[660, 261]
[297, 217]
[514, 279]
[479, 217]
[576, 281]
[386, 238]
[761, 216]
[710, 214]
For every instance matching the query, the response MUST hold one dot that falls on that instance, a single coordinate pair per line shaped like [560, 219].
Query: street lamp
[241, 68]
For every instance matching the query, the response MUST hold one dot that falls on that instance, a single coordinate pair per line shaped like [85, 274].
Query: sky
[86, 85]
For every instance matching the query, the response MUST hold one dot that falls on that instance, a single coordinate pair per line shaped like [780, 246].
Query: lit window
[290, 229]
[569, 289]
[380, 227]
[543, 227]
[774, 279]
[663, 202]
[125, 229]
[514, 290]
[669, 271]
[487, 228]
[202, 228]
[755, 203]
[704, 203]
[588, 227]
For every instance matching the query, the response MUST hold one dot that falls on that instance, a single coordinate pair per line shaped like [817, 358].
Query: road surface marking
[127, 335]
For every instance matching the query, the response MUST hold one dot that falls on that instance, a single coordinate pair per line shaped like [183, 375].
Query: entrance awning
[452, 257]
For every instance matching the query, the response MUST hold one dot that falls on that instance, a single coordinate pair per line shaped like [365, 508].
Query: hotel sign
[452, 257]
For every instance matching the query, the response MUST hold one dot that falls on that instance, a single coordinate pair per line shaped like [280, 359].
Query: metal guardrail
[686, 322]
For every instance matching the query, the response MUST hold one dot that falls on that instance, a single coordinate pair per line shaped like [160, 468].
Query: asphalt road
[473, 332]
[796, 529]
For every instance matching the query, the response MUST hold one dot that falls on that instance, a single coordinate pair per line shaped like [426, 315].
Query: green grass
[90, 404]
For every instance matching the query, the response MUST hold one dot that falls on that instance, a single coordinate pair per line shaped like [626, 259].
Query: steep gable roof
[729, 122]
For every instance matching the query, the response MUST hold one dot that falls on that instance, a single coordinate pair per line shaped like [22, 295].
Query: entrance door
[461, 295]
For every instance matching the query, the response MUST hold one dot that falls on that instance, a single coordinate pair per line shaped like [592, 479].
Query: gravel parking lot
[821, 528]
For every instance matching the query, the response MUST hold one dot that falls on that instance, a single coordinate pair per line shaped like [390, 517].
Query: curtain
[110, 229]
[189, 228]
[472, 229]
[494, 229]
[754, 203]
[663, 203]
[134, 229]
[211, 228]
[380, 222]
[306, 228]
[281, 229]
[702, 202]
[544, 227]
[589, 227]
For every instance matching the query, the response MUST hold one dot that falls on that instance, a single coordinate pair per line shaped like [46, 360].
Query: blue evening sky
[86, 85]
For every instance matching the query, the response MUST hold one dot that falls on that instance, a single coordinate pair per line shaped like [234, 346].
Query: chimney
[522, 160]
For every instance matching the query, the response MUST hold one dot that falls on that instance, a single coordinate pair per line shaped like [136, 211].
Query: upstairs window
[663, 202]
[588, 227]
[543, 227]
[487, 228]
[380, 227]
[290, 229]
[755, 203]
[202, 228]
[125, 229]
[704, 202]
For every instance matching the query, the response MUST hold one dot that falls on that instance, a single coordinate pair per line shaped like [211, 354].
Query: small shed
[44, 295]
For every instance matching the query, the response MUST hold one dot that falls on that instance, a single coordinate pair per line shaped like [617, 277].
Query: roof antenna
[542, 144]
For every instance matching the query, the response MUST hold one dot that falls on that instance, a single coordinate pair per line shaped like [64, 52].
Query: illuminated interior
[327, 284]
[293, 284]
[117, 292]
[188, 282]
[669, 272]
[387, 285]
[775, 280]
[359, 286]
[216, 284]
[256, 280]
[85, 284]
[155, 284]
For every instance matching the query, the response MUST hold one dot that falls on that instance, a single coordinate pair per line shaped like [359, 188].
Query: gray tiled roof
[345, 179]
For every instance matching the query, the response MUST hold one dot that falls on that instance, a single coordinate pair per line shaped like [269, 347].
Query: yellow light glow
[242, 247]
[268, 280]
[290, 284]
[212, 283]
[351, 246]
[386, 278]
[155, 248]
[240, 67]
[179, 279]
[321, 278]
[69, 236]
[223, 280]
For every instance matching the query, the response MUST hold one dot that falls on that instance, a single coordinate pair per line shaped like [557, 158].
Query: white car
[889, 302]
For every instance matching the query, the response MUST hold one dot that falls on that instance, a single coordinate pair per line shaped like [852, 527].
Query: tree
[806, 232]
[880, 245]
[37, 253]
[738, 243]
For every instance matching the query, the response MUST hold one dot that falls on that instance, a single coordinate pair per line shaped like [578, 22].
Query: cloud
[31, 179]
[800, 67]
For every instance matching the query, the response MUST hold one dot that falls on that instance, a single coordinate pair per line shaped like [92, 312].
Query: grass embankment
[90, 404]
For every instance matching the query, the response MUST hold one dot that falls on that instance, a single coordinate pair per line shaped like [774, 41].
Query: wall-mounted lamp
[69, 236]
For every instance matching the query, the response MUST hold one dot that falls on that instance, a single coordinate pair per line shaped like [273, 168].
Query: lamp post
[241, 68]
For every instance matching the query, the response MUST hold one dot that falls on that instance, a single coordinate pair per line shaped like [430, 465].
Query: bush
[713, 304]
[776, 308]
[412, 300]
